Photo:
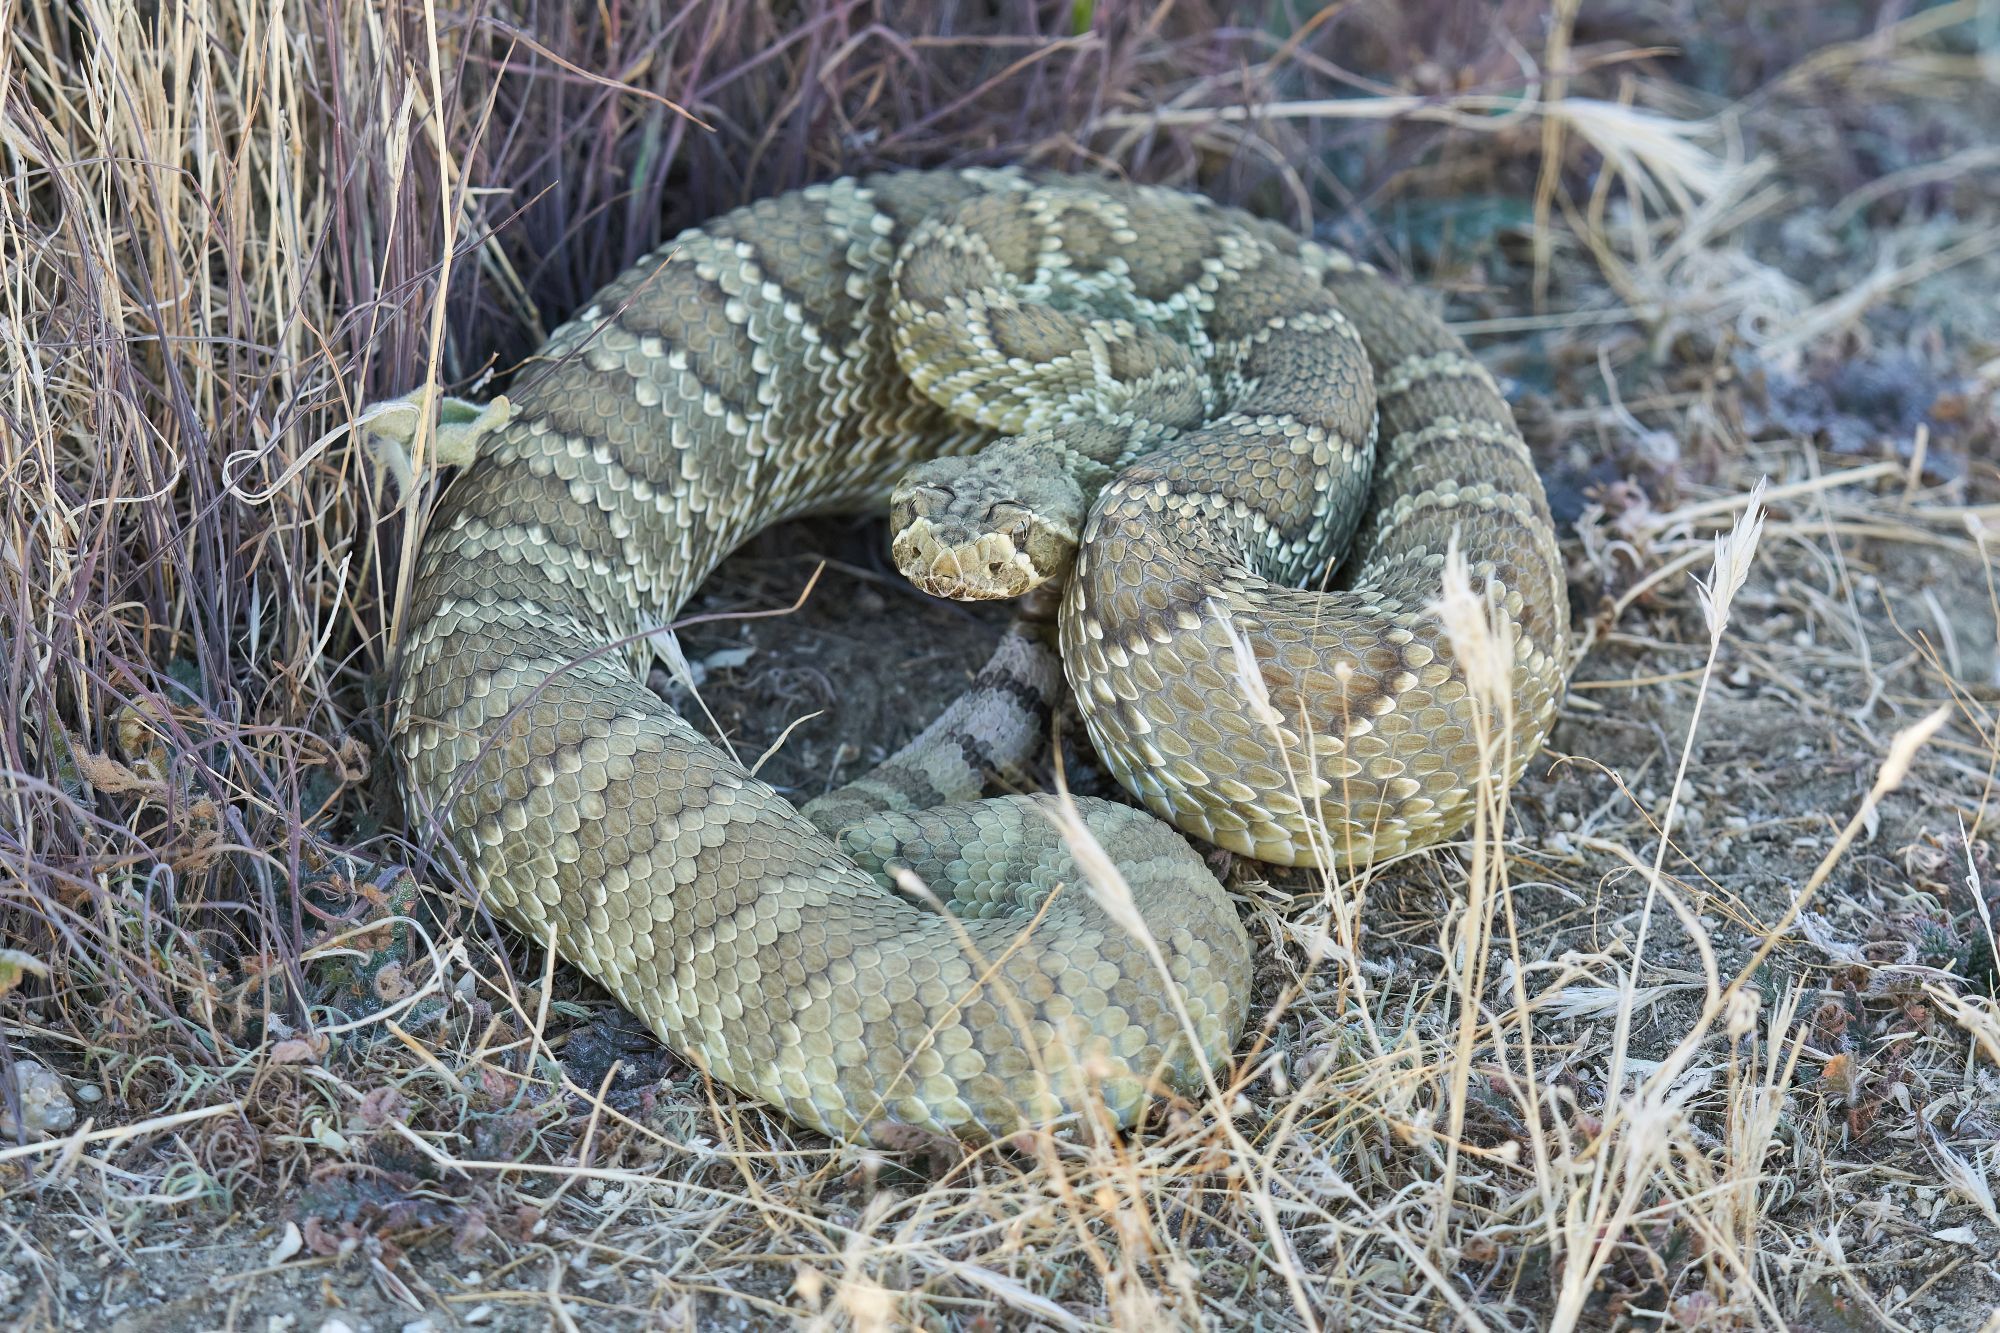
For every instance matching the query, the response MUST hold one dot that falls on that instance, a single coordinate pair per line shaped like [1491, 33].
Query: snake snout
[950, 559]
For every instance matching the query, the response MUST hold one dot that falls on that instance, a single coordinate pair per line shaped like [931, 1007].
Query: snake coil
[1237, 402]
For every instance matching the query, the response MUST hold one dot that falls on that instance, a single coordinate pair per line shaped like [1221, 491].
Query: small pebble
[45, 1105]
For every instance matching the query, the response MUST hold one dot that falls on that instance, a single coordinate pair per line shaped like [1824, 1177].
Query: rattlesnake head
[993, 526]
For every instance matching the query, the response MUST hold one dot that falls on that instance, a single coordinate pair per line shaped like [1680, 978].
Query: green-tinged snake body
[1185, 412]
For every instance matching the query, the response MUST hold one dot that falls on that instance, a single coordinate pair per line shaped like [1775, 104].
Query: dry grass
[1705, 1056]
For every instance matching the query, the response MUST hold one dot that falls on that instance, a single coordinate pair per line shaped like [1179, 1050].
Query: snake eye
[1007, 514]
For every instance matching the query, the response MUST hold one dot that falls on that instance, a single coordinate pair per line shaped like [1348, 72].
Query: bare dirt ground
[1556, 1075]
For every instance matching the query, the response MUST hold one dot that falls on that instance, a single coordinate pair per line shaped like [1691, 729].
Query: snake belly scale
[782, 360]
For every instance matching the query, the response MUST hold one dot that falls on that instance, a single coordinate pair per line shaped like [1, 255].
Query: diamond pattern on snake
[1163, 421]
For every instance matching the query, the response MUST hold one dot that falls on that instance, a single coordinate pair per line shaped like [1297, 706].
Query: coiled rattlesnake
[1219, 381]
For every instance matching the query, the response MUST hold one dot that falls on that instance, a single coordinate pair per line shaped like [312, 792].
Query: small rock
[45, 1105]
[288, 1245]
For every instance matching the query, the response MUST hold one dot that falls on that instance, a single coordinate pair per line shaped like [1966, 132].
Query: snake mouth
[946, 561]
